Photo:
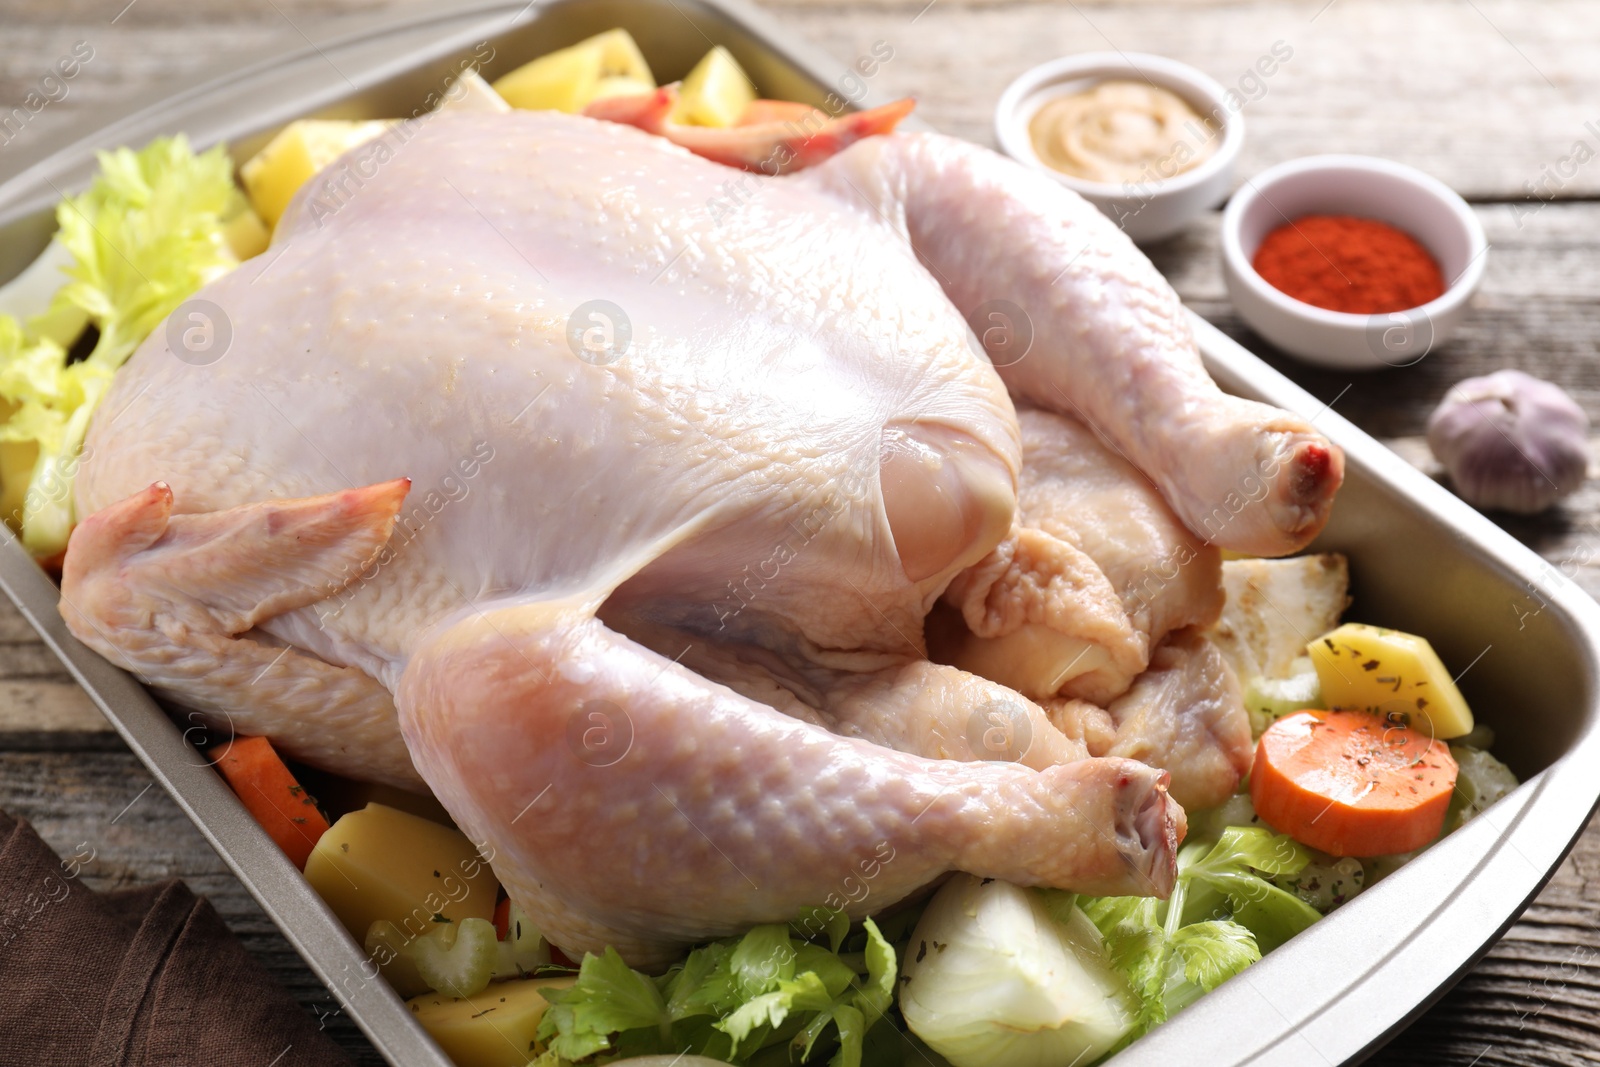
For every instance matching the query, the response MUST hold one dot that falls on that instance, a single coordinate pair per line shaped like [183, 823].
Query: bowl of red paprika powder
[1351, 261]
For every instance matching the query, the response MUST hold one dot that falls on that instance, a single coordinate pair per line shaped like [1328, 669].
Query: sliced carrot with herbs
[1352, 783]
[269, 792]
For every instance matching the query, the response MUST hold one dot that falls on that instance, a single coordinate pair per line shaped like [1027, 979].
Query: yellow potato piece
[620, 56]
[381, 863]
[246, 234]
[618, 85]
[570, 79]
[17, 459]
[274, 174]
[715, 93]
[1389, 672]
[560, 81]
[496, 1028]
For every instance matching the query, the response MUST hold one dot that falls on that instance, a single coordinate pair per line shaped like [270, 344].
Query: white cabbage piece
[1272, 607]
[993, 979]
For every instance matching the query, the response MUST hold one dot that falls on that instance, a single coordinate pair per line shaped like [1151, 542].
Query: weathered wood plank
[40, 704]
[1482, 95]
[51, 715]
[1404, 80]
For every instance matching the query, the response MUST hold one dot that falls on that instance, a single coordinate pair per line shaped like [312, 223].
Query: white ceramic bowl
[1146, 211]
[1371, 188]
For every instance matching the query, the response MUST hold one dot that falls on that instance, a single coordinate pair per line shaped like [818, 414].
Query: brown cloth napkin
[147, 977]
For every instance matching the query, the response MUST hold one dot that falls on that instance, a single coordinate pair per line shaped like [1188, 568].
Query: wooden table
[1490, 96]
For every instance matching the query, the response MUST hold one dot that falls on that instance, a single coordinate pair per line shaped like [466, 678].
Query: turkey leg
[597, 767]
[1105, 337]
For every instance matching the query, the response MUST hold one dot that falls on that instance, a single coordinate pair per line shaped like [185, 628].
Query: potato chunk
[273, 175]
[496, 1028]
[716, 92]
[380, 863]
[572, 78]
[1389, 672]
[245, 233]
[17, 460]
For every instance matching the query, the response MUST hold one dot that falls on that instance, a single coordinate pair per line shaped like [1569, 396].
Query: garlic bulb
[1511, 441]
[992, 979]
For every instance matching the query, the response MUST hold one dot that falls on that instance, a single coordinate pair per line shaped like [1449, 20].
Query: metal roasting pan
[1421, 560]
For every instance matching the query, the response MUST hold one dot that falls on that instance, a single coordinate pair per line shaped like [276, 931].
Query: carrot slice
[1352, 783]
[502, 918]
[270, 793]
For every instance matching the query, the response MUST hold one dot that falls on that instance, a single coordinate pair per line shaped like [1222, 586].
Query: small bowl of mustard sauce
[1148, 140]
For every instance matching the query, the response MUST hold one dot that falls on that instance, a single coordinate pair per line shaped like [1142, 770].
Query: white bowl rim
[1457, 290]
[1010, 124]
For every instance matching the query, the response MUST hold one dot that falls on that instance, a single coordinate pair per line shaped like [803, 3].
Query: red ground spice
[1344, 263]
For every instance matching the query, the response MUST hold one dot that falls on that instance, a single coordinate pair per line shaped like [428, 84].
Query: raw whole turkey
[536, 476]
